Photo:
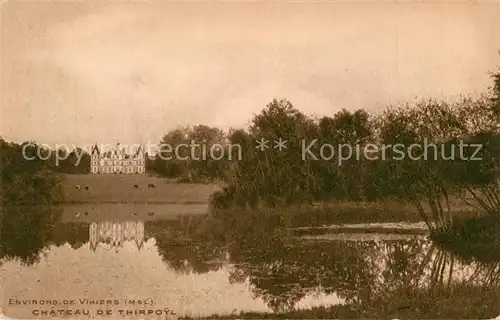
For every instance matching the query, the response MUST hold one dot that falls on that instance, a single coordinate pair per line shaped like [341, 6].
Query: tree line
[440, 129]
[272, 177]
[461, 140]
[24, 181]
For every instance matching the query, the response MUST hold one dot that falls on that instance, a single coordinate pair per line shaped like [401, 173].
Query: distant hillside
[120, 189]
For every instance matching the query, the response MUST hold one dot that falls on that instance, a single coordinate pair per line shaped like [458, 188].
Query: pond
[78, 263]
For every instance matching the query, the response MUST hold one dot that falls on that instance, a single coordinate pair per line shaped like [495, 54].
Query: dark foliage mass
[423, 156]
[24, 177]
[334, 157]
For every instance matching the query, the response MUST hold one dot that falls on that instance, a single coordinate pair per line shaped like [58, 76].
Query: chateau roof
[115, 152]
[138, 150]
[95, 149]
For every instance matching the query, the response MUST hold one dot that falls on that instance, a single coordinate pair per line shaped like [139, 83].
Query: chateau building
[117, 161]
[112, 235]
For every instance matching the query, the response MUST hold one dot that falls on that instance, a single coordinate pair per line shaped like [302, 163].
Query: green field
[120, 189]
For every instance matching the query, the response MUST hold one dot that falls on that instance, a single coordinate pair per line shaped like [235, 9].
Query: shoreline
[131, 202]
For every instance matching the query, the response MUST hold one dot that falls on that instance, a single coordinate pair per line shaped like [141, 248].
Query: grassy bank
[120, 189]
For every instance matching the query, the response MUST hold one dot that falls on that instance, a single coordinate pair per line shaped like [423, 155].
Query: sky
[79, 73]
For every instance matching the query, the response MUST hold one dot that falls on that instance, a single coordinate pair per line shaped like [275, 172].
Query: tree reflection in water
[410, 278]
[186, 245]
[371, 277]
[25, 232]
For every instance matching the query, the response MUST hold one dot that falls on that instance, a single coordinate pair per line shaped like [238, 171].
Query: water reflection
[192, 263]
[113, 234]
[25, 232]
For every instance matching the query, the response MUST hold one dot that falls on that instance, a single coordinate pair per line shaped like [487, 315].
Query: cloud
[129, 72]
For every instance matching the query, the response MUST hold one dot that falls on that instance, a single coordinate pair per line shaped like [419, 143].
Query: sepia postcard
[250, 159]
